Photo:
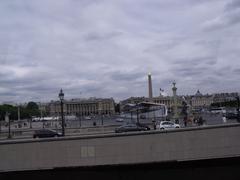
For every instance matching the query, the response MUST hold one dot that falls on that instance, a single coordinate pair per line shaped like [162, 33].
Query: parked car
[119, 119]
[167, 125]
[131, 127]
[45, 133]
[231, 115]
[143, 125]
[87, 117]
[142, 116]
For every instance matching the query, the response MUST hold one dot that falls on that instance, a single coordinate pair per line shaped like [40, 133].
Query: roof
[141, 105]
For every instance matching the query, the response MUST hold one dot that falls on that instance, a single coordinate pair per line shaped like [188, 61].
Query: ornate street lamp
[61, 97]
[238, 106]
[184, 111]
[7, 118]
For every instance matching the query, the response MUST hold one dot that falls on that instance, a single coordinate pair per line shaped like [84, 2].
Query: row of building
[196, 101]
[83, 107]
[103, 106]
[97, 106]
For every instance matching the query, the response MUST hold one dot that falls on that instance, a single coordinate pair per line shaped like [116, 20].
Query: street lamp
[9, 124]
[61, 97]
[238, 104]
[79, 118]
[184, 111]
[102, 117]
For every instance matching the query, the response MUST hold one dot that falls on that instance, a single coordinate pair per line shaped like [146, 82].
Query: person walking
[224, 119]
[200, 121]
[185, 121]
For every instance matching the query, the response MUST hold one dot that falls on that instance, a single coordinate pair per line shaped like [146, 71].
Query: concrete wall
[157, 146]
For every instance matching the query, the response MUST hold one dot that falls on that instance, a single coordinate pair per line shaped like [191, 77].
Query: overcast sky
[105, 48]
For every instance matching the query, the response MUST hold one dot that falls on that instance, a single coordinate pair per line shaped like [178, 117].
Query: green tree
[225, 104]
[32, 109]
[10, 109]
[32, 106]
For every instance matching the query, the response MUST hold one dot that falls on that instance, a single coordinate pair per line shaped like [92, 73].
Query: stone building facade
[199, 100]
[224, 97]
[83, 107]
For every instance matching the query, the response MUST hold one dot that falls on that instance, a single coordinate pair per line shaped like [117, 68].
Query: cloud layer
[106, 48]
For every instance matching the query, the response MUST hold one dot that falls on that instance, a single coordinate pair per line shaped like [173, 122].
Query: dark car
[131, 127]
[231, 115]
[45, 133]
[143, 125]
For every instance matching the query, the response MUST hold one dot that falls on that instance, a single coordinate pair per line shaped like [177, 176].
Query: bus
[218, 110]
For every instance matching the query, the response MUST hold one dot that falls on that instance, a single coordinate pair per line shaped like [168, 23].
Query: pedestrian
[200, 121]
[190, 121]
[224, 119]
[154, 125]
[195, 119]
[177, 121]
[185, 121]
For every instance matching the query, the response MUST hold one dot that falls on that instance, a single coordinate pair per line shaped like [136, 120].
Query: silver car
[167, 125]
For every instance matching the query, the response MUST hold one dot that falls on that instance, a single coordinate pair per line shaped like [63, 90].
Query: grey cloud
[237, 71]
[9, 94]
[209, 43]
[106, 48]
[193, 62]
[190, 71]
[96, 36]
[234, 4]
[229, 18]
[234, 18]
[164, 46]
[125, 76]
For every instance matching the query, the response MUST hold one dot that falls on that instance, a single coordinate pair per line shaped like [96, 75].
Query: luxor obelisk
[150, 94]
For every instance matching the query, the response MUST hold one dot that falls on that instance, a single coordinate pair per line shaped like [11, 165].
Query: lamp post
[31, 122]
[101, 114]
[79, 118]
[0, 124]
[9, 124]
[102, 117]
[19, 113]
[61, 97]
[137, 116]
[184, 111]
[238, 104]
[1, 116]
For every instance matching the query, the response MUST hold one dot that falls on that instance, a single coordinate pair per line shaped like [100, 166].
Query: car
[167, 125]
[87, 117]
[119, 120]
[231, 115]
[130, 127]
[45, 133]
[142, 116]
[143, 125]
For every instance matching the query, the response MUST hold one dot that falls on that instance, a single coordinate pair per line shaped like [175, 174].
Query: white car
[167, 125]
[87, 117]
[119, 119]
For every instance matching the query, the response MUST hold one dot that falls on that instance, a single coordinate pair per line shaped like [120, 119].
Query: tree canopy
[25, 112]
[225, 104]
